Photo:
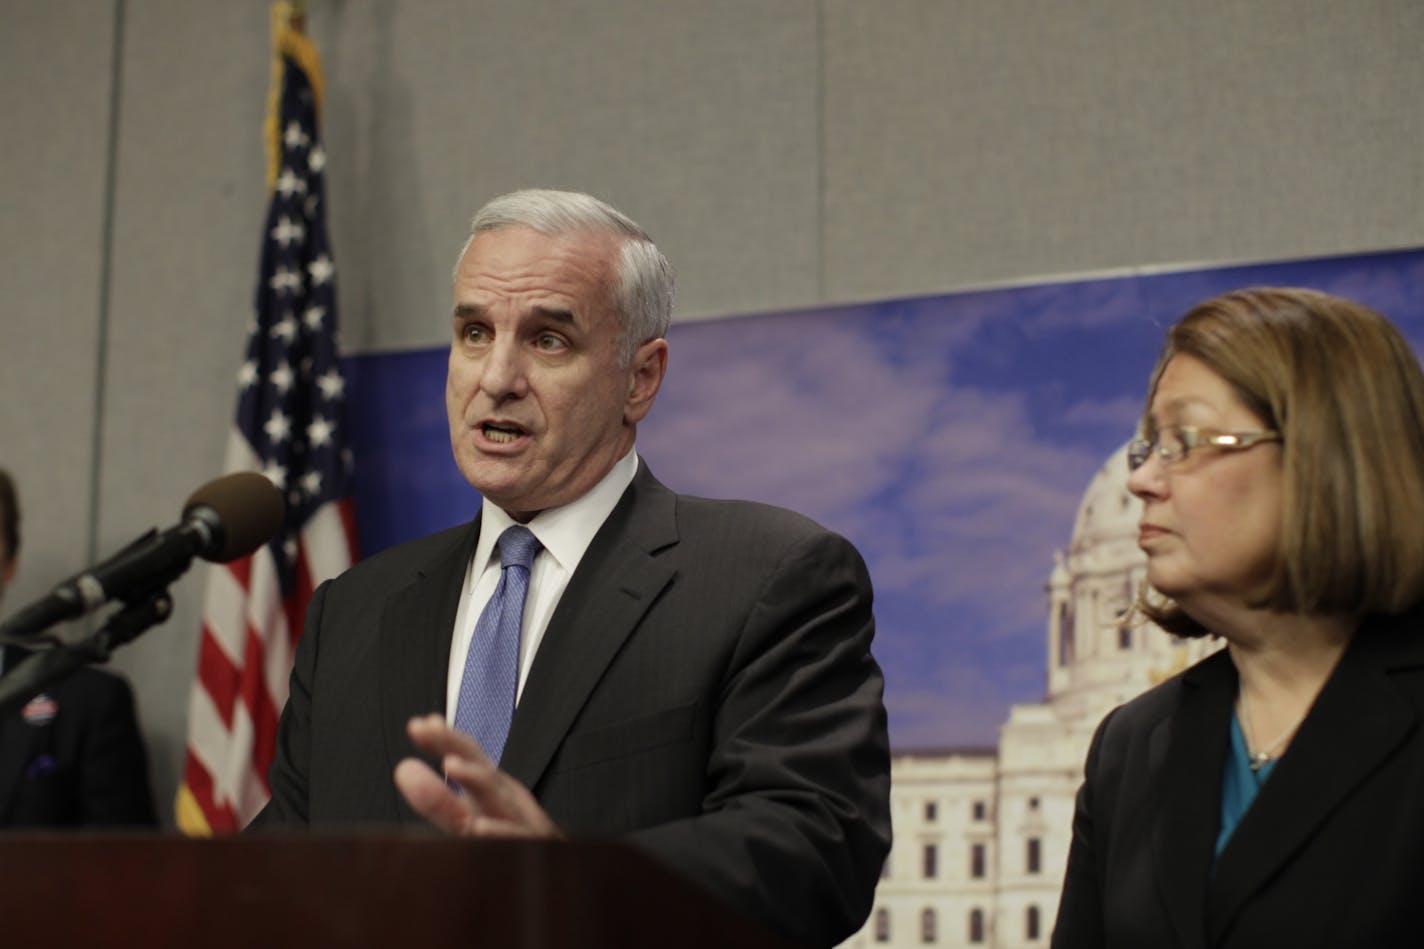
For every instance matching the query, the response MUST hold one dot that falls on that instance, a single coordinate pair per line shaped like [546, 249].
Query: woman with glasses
[1273, 794]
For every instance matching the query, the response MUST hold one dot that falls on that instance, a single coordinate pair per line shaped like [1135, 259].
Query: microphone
[223, 520]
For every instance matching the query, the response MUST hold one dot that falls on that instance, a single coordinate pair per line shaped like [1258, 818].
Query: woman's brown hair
[1345, 391]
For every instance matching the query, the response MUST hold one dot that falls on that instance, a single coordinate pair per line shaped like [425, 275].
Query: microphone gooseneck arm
[223, 520]
[30, 676]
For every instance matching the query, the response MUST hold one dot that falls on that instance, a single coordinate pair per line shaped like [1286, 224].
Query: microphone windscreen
[248, 506]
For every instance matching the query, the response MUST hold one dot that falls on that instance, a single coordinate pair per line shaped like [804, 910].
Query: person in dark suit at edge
[692, 675]
[72, 756]
[1271, 794]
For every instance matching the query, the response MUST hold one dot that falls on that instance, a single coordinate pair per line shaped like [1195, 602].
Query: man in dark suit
[693, 675]
[72, 756]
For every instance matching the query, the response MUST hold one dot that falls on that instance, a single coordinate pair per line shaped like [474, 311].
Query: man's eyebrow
[467, 311]
[555, 314]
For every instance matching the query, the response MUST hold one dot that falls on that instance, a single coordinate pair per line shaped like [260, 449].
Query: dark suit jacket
[76, 759]
[705, 688]
[1331, 852]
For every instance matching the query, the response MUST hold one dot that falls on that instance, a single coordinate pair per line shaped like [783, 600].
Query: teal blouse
[1239, 784]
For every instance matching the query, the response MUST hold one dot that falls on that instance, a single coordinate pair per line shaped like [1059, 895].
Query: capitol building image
[982, 834]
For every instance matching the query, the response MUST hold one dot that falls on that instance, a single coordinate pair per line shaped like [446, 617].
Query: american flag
[291, 427]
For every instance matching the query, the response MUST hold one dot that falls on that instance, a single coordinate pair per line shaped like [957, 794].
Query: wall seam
[820, 14]
[106, 267]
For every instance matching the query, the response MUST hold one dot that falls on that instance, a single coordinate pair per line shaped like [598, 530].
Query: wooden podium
[314, 891]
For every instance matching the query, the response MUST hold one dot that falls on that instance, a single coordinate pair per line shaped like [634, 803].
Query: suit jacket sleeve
[1080, 910]
[115, 788]
[287, 777]
[796, 825]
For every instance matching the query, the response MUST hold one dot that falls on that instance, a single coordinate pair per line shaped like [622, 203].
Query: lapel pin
[40, 710]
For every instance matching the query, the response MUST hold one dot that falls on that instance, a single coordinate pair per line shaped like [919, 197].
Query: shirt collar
[565, 531]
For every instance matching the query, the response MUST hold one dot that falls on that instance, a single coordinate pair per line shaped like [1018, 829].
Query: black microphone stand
[60, 657]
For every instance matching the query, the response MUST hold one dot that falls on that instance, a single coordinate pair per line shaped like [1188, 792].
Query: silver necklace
[1266, 753]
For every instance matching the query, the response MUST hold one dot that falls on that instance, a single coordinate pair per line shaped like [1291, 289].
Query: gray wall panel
[978, 142]
[55, 62]
[187, 227]
[688, 115]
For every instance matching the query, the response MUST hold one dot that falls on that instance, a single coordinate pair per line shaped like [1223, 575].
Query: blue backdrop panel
[950, 437]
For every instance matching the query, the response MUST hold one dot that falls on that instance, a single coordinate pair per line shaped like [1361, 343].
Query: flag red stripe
[296, 604]
[218, 676]
[241, 570]
[260, 707]
[347, 509]
[264, 739]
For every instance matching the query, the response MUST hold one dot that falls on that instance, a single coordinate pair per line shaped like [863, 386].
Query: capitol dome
[1108, 513]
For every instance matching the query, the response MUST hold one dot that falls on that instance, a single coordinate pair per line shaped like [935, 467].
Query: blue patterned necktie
[486, 701]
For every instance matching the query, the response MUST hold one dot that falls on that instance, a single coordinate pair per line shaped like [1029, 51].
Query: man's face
[539, 408]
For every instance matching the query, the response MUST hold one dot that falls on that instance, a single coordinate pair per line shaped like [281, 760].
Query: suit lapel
[415, 631]
[1186, 755]
[615, 583]
[1357, 722]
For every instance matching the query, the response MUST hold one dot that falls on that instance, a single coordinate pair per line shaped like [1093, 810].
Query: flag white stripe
[324, 541]
[205, 728]
[266, 612]
[225, 612]
[240, 456]
[236, 763]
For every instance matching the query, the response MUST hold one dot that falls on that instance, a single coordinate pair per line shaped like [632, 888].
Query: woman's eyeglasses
[1173, 443]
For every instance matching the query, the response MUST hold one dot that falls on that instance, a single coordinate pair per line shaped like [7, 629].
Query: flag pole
[289, 41]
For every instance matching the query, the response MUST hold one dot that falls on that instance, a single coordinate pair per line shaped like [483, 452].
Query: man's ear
[645, 377]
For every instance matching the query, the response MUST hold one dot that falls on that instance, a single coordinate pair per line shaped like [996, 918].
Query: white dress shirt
[565, 533]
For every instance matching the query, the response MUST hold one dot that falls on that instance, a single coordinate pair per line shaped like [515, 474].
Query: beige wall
[784, 152]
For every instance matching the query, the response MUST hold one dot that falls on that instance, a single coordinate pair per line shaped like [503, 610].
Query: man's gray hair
[644, 283]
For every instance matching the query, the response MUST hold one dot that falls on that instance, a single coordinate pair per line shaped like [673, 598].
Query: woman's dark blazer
[1331, 853]
[75, 757]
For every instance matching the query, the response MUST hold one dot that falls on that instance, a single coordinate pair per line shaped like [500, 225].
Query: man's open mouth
[501, 432]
